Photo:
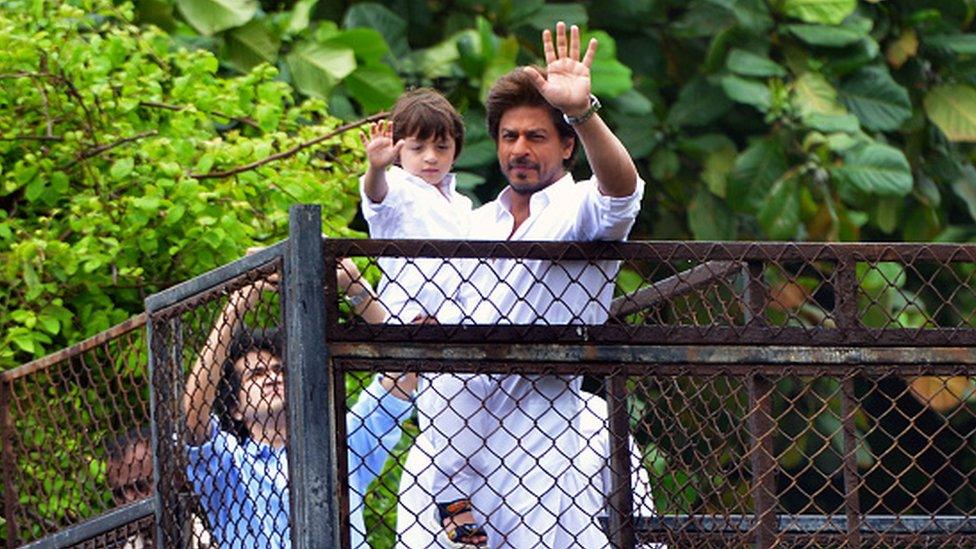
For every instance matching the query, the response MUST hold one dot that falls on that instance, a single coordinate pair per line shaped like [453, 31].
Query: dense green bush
[110, 142]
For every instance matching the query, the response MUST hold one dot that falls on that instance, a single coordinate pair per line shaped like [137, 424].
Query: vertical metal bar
[342, 459]
[845, 314]
[621, 511]
[154, 372]
[311, 448]
[9, 464]
[760, 424]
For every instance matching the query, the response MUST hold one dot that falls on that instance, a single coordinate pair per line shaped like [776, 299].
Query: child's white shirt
[415, 209]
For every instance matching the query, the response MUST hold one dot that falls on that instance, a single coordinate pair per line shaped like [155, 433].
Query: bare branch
[290, 152]
[85, 155]
[247, 120]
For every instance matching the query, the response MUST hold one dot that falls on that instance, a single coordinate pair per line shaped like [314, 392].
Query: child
[408, 192]
[415, 199]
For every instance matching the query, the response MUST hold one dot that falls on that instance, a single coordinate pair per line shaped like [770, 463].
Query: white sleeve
[603, 217]
[384, 218]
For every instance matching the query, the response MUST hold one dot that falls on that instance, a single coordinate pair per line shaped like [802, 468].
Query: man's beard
[526, 188]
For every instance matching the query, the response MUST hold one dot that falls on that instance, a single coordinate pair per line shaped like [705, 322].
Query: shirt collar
[538, 201]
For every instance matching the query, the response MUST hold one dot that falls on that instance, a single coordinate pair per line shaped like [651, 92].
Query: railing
[800, 394]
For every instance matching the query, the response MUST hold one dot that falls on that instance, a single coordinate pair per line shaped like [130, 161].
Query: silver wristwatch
[574, 120]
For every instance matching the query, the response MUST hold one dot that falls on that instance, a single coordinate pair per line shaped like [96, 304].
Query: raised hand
[380, 149]
[567, 83]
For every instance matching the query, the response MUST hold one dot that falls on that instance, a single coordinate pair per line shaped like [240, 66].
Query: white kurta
[415, 209]
[417, 525]
[511, 441]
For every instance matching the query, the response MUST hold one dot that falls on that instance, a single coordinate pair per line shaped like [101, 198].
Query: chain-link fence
[551, 394]
[75, 432]
[772, 393]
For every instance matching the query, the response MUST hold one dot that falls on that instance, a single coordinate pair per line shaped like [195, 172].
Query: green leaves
[952, 108]
[317, 68]
[747, 63]
[876, 169]
[375, 87]
[876, 99]
[212, 16]
[827, 12]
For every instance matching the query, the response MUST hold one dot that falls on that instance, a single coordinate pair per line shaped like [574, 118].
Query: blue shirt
[243, 485]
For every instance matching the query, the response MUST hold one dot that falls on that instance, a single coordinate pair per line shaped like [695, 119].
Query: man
[129, 472]
[514, 437]
[237, 428]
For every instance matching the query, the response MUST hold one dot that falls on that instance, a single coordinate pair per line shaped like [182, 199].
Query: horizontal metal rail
[199, 284]
[808, 524]
[100, 525]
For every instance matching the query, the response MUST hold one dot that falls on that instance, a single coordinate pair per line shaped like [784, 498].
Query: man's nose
[520, 146]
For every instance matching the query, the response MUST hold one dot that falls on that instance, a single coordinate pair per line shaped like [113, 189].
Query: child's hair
[425, 113]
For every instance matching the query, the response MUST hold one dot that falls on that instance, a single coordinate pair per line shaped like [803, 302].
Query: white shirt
[415, 209]
[417, 527]
[532, 422]
[510, 291]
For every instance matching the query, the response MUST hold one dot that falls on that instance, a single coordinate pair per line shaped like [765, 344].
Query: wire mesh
[75, 431]
[218, 378]
[777, 394]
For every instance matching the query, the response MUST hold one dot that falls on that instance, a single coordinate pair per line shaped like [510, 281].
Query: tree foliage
[110, 143]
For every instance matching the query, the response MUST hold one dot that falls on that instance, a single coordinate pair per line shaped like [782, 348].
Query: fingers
[538, 80]
[561, 50]
[547, 47]
[590, 53]
[574, 43]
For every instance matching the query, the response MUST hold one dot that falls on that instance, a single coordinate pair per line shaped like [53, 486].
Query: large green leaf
[502, 62]
[375, 16]
[699, 103]
[779, 215]
[750, 92]
[827, 12]
[755, 169]
[952, 108]
[747, 63]
[368, 44]
[212, 16]
[965, 189]
[876, 169]
[753, 14]
[316, 68]
[375, 87]
[876, 99]
[814, 94]
[709, 218]
[608, 77]
[956, 43]
[247, 46]
[828, 35]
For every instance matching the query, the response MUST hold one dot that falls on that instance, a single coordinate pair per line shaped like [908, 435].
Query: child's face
[429, 159]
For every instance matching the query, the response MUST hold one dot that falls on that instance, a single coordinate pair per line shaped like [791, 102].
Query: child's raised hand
[380, 149]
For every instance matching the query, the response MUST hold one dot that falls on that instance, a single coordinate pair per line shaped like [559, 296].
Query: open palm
[566, 85]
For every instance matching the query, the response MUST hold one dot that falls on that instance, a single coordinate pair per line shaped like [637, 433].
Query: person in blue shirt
[234, 403]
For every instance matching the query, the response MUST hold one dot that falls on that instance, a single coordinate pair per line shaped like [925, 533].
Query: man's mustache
[523, 163]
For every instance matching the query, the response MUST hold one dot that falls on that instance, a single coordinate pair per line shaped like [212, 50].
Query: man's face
[530, 150]
[131, 474]
[262, 391]
[429, 159]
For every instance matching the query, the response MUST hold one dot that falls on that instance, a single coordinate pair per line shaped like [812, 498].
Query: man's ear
[568, 144]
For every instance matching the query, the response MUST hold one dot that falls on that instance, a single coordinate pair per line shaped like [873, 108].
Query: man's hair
[516, 89]
[425, 113]
[116, 445]
[245, 341]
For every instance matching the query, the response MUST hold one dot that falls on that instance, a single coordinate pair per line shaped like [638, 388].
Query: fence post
[9, 463]
[845, 314]
[761, 424]
[621, 511]
[311, 448]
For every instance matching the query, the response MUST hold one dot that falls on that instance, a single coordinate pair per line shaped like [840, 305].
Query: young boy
[408, 192]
